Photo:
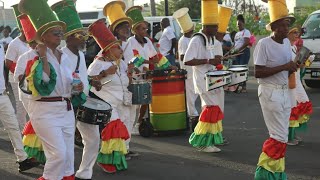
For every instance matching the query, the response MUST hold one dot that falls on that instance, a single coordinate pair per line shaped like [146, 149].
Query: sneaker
[76, 178]
[133, 154]
[297, 138]
[28, 164]
[127, 157]
[225, 142]
[135, 130]
[293, 142]
[108, 168]
[210, 149]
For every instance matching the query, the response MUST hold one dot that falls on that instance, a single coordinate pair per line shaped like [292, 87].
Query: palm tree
[153, 7]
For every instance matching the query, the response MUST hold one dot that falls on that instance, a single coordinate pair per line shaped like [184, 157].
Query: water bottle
[76, 81]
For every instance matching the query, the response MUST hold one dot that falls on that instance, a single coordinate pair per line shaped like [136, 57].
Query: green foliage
[193, 5]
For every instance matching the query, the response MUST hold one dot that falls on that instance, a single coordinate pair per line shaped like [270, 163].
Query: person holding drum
[109, 66]
[273, 65]
[50, 81]
[187, 27]
[301, 105]
[204, 54]
[144, 47]
[120, 26]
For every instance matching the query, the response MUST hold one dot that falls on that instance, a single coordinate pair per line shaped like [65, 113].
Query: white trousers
[91, 140]
[11, 125]
[214, 97]
[20, 110]
[191, 98]
[130, 122]
[300, 92]
[55, 126]
[276, 108]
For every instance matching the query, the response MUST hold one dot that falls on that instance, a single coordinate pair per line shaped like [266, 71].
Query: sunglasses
[81, 36]
[57, 33]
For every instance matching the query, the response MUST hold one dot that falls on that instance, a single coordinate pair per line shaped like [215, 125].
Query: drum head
[96, 104]
[218, 73]
[238, 69]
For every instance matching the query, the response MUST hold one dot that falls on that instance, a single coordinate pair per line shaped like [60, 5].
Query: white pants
[214, 97]
[20, 110]
[55, 126]
[300, 92]
[130, 122]
[91, 140]
[11, 125]
[276, 108]
[191, 98]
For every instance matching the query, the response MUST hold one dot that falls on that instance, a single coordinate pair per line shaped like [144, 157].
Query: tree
[153, 8]
[193, 5]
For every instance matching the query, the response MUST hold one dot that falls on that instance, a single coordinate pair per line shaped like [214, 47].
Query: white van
[311, 40]
[88, 17]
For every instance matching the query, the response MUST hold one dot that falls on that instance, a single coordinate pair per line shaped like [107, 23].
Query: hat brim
[290, 17]
[48, 26]
[110, 45]
[134, 26]
[74, 31]
[119, 21]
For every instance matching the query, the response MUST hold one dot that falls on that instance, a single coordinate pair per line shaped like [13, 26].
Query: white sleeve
[182, 47]
[217, 48]
[12, 52]
[152, 51]
[246, 34]
[259, 55]
[170, 34]
[83, 74]
[20, 67]
[192, 50]
[95, 68]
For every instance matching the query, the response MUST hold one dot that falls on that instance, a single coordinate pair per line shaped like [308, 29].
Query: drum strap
[57, 99]
[78, 62]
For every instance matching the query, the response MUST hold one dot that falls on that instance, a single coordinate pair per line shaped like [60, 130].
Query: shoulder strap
[203, 38]
[78, 63]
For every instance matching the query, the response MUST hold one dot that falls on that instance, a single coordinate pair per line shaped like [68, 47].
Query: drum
[239, 75]
[236, 66]
[141, 92]
[94, 111]
[168, 110]
[217, 79]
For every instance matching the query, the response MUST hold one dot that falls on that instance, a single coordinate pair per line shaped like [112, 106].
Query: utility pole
[166, 7]
[153, 8]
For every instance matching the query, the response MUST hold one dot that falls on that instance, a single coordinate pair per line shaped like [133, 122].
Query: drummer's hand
[215, 61]
[173, 67]
[96, 84]
[291, 67]
[78, 87]
[136, 70]
[42, 50]
[110, 70]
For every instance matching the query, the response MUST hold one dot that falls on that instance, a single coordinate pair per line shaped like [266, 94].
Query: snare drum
[239, 75]
[216, 79]
[141, 92]
[94, 111]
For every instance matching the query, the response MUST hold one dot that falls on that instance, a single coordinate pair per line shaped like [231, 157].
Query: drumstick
[106, 82]
[230, 56]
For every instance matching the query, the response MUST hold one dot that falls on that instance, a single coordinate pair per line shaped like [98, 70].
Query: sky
[82, 4]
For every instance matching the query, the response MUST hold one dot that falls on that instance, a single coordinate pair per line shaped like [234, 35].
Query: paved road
[171, 157]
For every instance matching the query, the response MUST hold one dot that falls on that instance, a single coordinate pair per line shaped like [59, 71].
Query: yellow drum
[168, 104]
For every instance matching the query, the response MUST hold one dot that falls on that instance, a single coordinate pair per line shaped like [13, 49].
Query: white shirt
[182, 48]
[146, 51]
[116, 87]
[6, 40]
[197, 50]
[158, 35]
[271, 54]
[73, 59]
[127, 51]
[64, 74]
[166, 40]
[227, 37]
[239, 38]
[2, 82]
[15, 49]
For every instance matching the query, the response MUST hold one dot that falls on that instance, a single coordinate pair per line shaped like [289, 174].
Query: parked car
[311, 40]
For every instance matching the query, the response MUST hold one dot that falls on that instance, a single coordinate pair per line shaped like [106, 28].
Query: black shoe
[194, 122]
[133, 154]
[28, 164]
[76, 178]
